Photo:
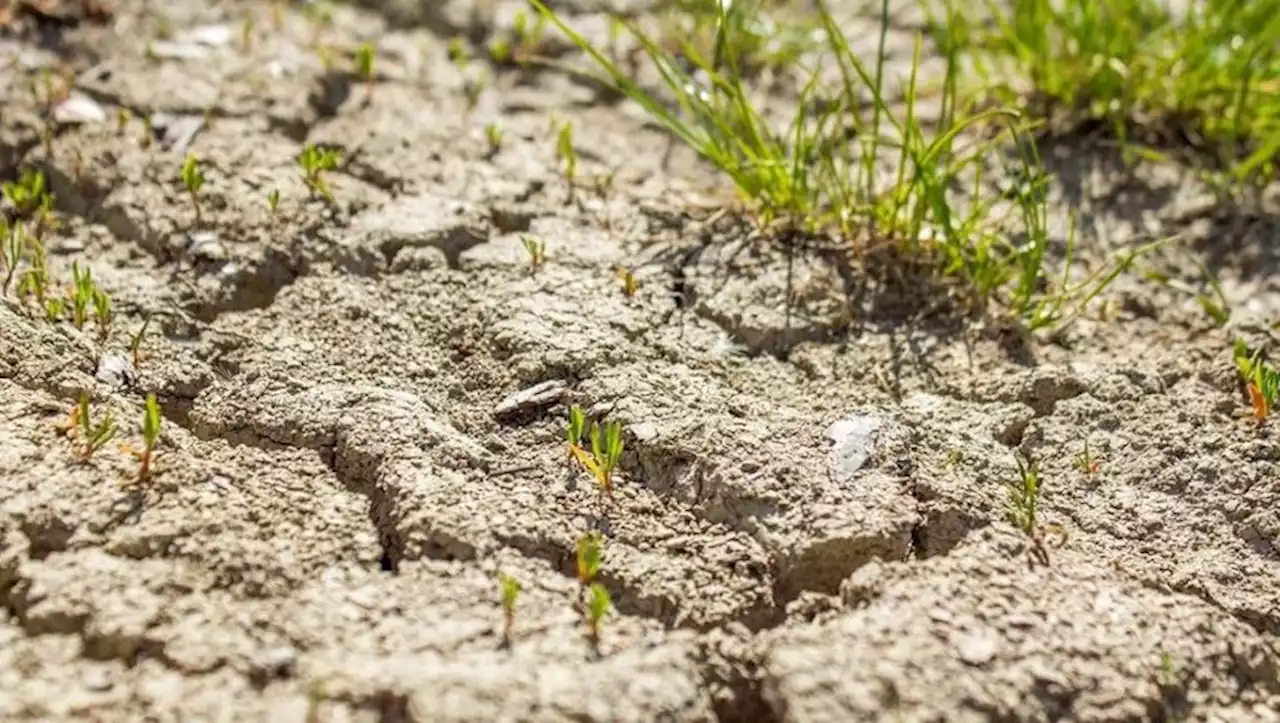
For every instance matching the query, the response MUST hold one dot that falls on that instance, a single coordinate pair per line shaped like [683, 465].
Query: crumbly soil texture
[364, 404]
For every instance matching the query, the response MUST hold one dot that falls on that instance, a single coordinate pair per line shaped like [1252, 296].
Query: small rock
[273, 664]
[205, 246]
[176, 132]
[213, 36]
[97, 679]
[854, 442]
[77, 109]
[116, 369]
[977, 648]
[538, 395]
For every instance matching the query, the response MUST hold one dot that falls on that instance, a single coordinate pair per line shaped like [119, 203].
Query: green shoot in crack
[510, 589]
[588, 556]
[606, 451]
[193, 178]
[1024, 505]
[150, 439]
[536, 249]
[315, 162]
[92, 436]
[598, 605]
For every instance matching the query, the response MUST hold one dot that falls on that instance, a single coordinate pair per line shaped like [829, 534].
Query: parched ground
[809, 524]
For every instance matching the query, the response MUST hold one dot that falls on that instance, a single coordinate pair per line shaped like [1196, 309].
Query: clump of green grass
[1208, 75]
[822, 174]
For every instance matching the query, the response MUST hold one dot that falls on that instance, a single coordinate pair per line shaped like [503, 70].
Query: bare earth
[809, 523]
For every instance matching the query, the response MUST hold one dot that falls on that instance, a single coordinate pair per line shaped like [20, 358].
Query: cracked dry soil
[343, 472]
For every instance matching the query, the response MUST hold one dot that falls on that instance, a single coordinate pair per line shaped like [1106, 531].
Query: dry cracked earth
[364, 405]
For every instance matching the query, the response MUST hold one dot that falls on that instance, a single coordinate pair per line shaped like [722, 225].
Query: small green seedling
[34, 282]
[148, 132]
[510, 592]
[123, 117]
[27, 193]
[314, 162]
[246, 33]
[589, 555]
[54, 308]
[93, 436]
[629, 283]
[493, 134]
[193, 178]
[150, 438]
[1086, 462]
[1023, 506]
[606, 451]
[458, 53]
[955, 457]
[473, 88]
[577, 427]
[364, 66]
[1261, 380]
[598, 605]
[566, 152]
[136, 355]
[1167, 675]
[12, 244]
[500, 50]
[102, 313]
[536, 248]
[273, 200]
[81, 294]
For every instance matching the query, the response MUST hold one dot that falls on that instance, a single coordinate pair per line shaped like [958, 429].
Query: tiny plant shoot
[1024, 505]
[92, 436]
[34, 282]
[589, 555]
[27, 194]
[493, 135]
[12, 244]
[1086, 462]
[566, 152]
[102, 313]
[136, 354]
[536, 248]
[510, 588]
[577, 427]
[150, 438]
[193, 179]
[598, 604]
[314, 162]
[273, 200]
[606, 451]
[629, 283]
[1262, 381]
[364, 67]
[81, 294]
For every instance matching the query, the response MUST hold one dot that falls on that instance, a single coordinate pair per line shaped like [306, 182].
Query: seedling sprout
[566, 152]
[92, 436]
[493, 135]
[629, 283]
[273, 200]
[193, 179]
[589, 556]
[27, 193]
[150, 438]
[364, 66]
[1262, 381]
[314, 162]
[598, 605]
[1086, 462]
[12, 244]
[81, 294]
[102, 313]
[135, 343]
[1023, 507]
[606, 451]
[34, 282]
[577, 427]
[536, 248]
[510, 592]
